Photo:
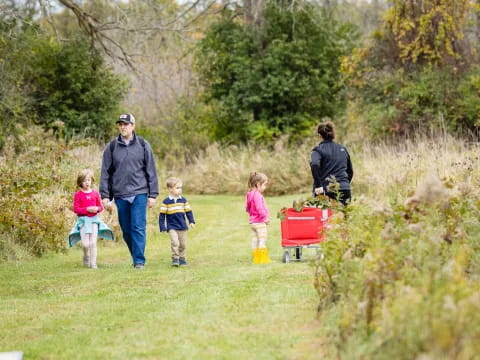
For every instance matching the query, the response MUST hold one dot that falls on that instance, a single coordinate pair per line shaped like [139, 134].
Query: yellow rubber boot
[256, 256]
[264, 258]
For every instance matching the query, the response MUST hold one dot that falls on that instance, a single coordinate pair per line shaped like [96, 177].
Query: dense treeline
[245, 72]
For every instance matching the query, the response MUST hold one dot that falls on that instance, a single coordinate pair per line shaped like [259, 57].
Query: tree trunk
[254, 12]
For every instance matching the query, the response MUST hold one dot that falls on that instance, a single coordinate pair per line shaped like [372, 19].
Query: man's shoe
[94, 266]
[175, 262]
[139, 266]
[183, 262]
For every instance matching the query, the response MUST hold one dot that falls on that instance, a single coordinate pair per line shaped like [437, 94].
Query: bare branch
[107, 34]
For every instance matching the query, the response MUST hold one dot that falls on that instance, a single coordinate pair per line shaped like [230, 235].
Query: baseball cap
[126, 118]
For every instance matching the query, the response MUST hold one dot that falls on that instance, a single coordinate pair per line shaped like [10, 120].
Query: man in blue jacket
[129, 176]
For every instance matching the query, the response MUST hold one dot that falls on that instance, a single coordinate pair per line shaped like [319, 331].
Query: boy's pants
[178, 243]
[259, 235]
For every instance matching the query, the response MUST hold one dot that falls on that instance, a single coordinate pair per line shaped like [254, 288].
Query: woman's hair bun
[327, 130]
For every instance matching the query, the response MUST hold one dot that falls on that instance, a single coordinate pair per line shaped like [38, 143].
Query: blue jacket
[173, 213]
[330, 158]
[133, 167]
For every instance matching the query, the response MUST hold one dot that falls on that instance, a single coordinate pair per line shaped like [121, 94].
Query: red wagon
[304, 229]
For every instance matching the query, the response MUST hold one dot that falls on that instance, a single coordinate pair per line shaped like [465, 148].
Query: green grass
[219, 307]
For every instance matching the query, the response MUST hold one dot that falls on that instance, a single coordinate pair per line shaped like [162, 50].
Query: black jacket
[330, 158]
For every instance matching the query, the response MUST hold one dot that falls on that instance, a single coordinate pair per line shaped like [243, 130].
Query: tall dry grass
[383, 170]
[226, 170]
[379, 169]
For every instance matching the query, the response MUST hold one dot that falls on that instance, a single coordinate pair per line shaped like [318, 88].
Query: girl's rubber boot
[263, 258]
[256, 256]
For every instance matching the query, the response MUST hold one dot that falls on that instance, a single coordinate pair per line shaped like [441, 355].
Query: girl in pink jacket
[87, 204]
[259, 216]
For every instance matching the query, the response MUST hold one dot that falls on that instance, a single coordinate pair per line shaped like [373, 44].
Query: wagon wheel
[286, 256]
[298, 253]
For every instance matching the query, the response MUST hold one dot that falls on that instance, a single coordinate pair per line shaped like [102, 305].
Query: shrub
[62, 86]
[399, 278]
[276, 79]
[32, 215]
[417, 74]
[36, 192]
[77, 94]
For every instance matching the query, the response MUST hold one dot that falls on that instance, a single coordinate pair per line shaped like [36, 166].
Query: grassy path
[219, 307]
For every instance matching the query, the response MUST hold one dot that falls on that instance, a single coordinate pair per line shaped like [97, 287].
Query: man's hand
[107, 205]
[150, 202]
[192, 225]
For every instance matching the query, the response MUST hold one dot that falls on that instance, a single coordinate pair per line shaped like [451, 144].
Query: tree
[66, 87]
[428, 31]
[74, 89]
[279, 78]
[417, 74]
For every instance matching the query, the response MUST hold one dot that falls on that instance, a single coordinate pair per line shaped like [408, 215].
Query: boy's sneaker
[86, 261]
[175, 262]
[139, 266]
[94, 266]
[182, 262]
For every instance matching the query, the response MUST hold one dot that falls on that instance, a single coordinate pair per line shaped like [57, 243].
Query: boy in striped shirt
[173, 213]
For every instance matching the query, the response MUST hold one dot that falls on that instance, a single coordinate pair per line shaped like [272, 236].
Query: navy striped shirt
[173, 212]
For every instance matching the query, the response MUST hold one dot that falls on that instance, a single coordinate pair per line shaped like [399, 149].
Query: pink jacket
[82, 200]
[256, 207]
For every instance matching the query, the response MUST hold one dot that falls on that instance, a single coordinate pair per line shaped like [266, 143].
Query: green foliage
[404, 274]
[14, 102]
[73, 86]
[427, 100]
[66, 87]
[36, 191]
[468, 102]
[274, 79]
[178, 141]
[427, 32]
[31, 218]
[417, 73]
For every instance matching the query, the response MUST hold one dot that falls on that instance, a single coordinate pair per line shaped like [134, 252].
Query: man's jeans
[133, 220]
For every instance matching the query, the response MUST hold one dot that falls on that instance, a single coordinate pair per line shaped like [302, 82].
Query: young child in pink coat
[87, 204]
[258, 216]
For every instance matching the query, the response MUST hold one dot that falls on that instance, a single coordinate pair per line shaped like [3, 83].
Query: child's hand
[267, 221]
[192, 225]
[92, 209]
[107, 205]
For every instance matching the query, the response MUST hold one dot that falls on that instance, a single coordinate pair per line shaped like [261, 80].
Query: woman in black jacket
[327, 160]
